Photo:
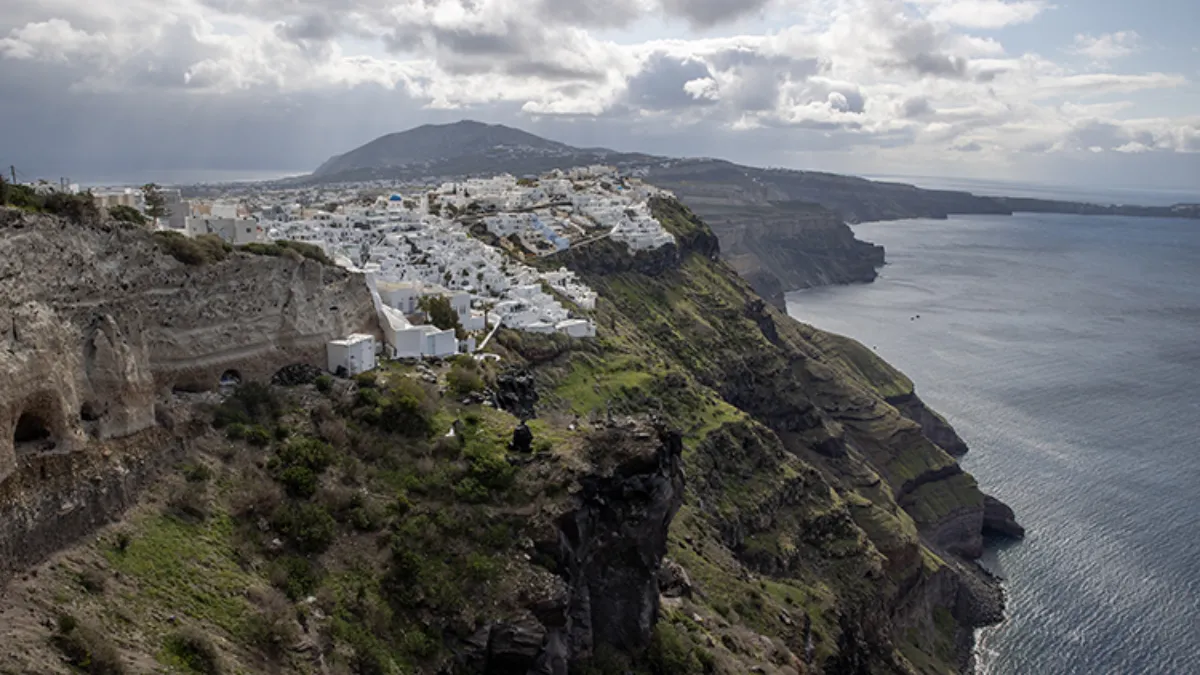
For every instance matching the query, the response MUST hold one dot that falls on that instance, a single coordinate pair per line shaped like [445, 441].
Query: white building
[351, 356]
[236, 231]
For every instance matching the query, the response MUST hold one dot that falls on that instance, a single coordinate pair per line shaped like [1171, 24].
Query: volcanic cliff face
[811, 465]
[98, 326]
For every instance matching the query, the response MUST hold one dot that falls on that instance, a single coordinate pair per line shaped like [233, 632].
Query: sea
[1066, 352]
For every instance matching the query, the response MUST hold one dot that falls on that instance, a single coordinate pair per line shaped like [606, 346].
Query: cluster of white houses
[463, 240]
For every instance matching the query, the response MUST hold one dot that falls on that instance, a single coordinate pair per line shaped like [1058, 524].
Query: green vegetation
[156, 203]
[203, 250]
[441, 314]
[465, 376]
[285, 248]
[193, 651]
[127, 214]
[77, 208]
[86, 648]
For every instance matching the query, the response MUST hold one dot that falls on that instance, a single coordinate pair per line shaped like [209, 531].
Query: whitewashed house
[350, 356]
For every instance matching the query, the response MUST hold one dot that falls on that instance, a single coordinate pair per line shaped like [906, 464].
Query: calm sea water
[1066, 351]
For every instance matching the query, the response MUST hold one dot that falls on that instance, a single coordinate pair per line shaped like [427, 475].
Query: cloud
[983, 13]
[243, 81]
[1108, 47]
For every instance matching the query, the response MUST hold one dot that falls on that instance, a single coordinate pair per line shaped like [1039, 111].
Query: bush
[407, 410]
[307, 452]
[86, 648]
[271, 630]
[366, 380]
[202, 250]
[296, 576]
[79, 208]
[195, 651]
[92, 580]
[126, 214]
[197, 473]
[191, 502]
[235, 431]
[324, 383]
[285, 248]
[250, 403]
[308, 526]
[464, 379]
[299, 481]
[258, 436]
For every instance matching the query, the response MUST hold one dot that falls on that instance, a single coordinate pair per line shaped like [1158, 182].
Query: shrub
[464, 379]
[126, 214]
[368, 398]
[191, 502]
[86, 648]
[197, 473]
[121, 541]
[202, 250]
[79, 208]
[195, 651]
[299, 481]
[258, 436]
[296, 576]
[92, 580]
[307, 452]
[407, 410]
[324, 383]
[234, 432]
[308, 526]
[366, 380]
[257, 498]
[285, 248]
[271, 629]
[252, 402]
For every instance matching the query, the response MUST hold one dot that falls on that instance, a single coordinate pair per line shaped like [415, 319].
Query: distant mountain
[781, 229]
[434, 143]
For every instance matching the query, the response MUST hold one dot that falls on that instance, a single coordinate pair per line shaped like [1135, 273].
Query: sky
[1074, 92]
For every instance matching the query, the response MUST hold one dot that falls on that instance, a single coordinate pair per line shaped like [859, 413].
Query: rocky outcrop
[933, 426]
[999, 519]
[608, 546]
[98, 326]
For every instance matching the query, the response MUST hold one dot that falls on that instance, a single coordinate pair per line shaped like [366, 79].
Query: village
[466, 245]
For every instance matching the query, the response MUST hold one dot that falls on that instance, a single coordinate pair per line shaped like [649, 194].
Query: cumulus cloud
[1107, 47]
[300, 79]
[983, 13]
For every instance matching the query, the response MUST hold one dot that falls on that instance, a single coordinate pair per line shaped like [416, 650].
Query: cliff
[100, 326]
[708, 487]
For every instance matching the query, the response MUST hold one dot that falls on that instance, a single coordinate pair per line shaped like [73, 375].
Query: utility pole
[13, 169]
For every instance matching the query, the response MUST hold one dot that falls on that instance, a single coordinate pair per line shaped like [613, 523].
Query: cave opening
[32, 430]
[231, 378]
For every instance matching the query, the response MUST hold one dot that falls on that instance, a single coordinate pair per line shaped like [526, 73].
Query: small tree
[156, 203]
[441, 314]
[3, 191]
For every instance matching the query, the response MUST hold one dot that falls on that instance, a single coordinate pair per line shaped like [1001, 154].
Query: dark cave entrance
[32, 433]
[230, 380]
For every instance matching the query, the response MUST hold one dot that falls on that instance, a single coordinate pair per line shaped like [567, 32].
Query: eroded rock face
[97, 325]
[608, 544]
